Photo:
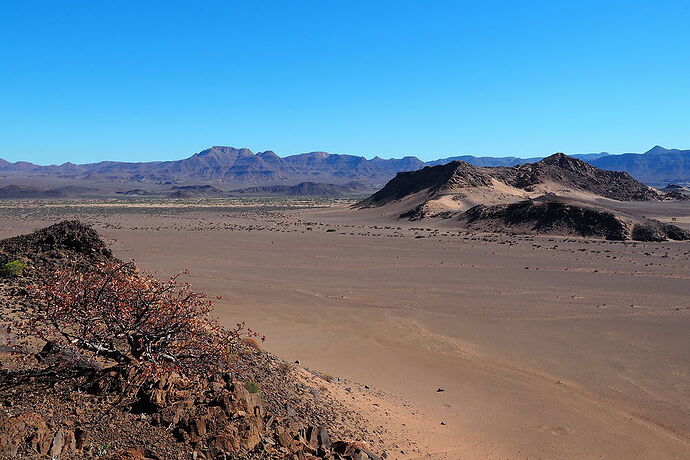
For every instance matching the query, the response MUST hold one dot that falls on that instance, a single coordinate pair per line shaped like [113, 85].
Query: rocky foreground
[56, 405]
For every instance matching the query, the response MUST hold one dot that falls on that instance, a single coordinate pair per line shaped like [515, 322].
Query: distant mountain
[484, 161]
[26, 191]
[231, 165]
[243, 168]
[508, 161]
[657, 166]
[305, 189]
[196, 191]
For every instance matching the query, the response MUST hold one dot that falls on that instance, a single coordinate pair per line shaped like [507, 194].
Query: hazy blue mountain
[656, 166]
[242, 167]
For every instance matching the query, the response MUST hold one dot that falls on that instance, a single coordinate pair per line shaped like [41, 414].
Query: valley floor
[544, 347]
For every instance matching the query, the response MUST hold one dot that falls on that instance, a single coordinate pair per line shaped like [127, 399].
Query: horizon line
[521, 157]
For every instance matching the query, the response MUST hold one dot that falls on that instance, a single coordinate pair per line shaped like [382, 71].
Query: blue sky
[141, 80]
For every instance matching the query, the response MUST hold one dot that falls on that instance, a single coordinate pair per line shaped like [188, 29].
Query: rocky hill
[577, 175]
[556, 174]
[56, 404]
[558, 194]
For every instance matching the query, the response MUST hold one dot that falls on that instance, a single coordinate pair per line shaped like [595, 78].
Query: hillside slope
[58, 404]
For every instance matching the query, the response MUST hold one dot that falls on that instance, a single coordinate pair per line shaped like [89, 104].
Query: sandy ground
[544, 347]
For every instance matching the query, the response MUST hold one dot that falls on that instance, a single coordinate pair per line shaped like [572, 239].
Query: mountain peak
[657, 149]
[267, 154]
[223, 150]
[562, 160]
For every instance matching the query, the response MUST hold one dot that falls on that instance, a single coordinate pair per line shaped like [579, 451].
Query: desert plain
[458, 344]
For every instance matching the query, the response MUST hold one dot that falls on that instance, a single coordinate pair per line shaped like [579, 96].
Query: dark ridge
[304, 189]
[69, 239]
[576, 173]
[551, 217]
[195, 191]
[26, 191]
[653, 230]
[407, 183]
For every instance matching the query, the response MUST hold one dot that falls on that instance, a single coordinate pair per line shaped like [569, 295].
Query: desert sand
[544, 347]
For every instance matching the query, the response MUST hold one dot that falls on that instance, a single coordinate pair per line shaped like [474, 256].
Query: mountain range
[243, 168]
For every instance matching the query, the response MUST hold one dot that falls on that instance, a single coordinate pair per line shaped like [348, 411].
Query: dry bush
[130, 318]
[251, 343]
[285, 367]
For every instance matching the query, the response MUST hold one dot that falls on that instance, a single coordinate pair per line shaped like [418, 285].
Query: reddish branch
[128, 317]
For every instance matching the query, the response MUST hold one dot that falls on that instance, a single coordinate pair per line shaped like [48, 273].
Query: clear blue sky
[146, 80]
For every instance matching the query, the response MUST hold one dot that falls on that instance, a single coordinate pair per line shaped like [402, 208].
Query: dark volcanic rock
[25, 191]
[553, 216]
[653, 230]
[549, 217]
[196, 191]
[304, 189]
[69, 241]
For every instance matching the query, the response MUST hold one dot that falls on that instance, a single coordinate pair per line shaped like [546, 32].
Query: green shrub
[13, 268]
[252, 387]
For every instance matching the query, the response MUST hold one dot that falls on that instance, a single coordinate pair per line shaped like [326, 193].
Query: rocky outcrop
[304, 189]
[210, 418]
[547, 217]
[577, 174]
[553, 216]
[196, 191]
[29, 432]
[67, 242]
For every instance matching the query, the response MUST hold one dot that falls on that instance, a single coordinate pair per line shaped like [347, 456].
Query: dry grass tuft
[251, 343]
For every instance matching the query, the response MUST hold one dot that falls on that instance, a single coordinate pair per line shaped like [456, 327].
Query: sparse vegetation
[13, 268]
[251, 343]
[252, 386]
[285, 367]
